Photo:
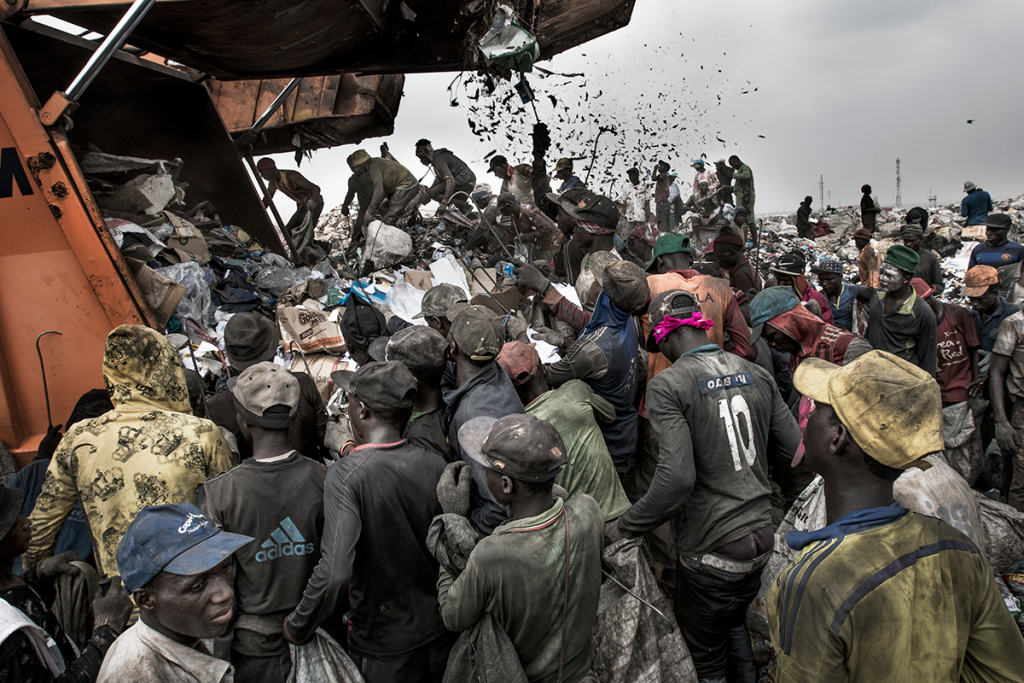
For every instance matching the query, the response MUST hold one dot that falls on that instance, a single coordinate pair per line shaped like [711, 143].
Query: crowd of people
[690, 397]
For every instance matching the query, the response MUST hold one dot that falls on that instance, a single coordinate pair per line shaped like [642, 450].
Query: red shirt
[958, 337]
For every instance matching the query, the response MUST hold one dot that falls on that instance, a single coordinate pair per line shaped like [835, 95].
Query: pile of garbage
[947, 236]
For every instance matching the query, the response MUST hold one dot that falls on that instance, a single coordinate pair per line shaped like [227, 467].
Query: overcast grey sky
[843, 89]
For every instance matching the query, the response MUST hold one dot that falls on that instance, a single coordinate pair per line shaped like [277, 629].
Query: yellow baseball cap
[892, 408]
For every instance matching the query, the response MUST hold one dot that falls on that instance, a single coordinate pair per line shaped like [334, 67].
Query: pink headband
[670, 324]
[593, 228]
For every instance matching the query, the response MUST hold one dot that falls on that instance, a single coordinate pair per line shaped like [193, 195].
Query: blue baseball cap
[768, 304]
[178, 539]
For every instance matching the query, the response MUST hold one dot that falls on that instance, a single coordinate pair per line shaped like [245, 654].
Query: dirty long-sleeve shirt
[379, 502]
[452, 172]
[517, 575]
[387, 177]
[743, 183]
[295, 186]
[909, 331]
[716, 486]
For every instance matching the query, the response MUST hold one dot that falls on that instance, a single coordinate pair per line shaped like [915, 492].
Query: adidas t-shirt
[281, 505]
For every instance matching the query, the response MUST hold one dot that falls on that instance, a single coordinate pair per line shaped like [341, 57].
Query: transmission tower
[821, 191]
[830, 197]
[899, 197]
[933, 201]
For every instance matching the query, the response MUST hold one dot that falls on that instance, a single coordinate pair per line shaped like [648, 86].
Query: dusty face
[778, 340]
[912, 241]
[986, 302]
[196, 606]
[725, 257]
[361, 169]
[890, 278]
[784, 280]
[831, 283]
[995, 237]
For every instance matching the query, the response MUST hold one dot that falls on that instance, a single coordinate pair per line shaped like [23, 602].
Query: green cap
[670, 243]
[912, 229]
[904, 258]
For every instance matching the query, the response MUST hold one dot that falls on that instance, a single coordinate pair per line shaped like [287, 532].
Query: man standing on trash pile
[277, 497]
[804, 227]
[452, 175]
[899, 321]
[539, 573]
[867, 261]
[177, 566]
[789, 272]
[957, 357]
[635, 201]
[531, 227]
[981, 287]
[703, 174]
[1008, 355]
[148, 450]
[391, 181]
[423, 351]
[309, 201]
[605, 355]
[720, 420]
[482, 390]
[702, 202]
[379, 502]
[868, 210]
[250, 339]
[564, 172]
[976, 205]
[359, 187]
[997, 250]
[841, 296]
[882, 593]
[575, 411]
[661, 196]
[729, 255]
[743, 187]
[928, 269]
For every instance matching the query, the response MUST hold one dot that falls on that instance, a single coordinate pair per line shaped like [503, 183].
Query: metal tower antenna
[821, 191]
[899, 197]
[933, 201]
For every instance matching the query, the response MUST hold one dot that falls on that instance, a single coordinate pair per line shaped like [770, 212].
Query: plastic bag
[276, 281]
[484, 654]
[405, 301]
[632, 642]
[508, 44]
[322, 660]
[197, 303]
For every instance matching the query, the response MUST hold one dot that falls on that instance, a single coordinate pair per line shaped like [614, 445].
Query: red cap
[519, 361]
[727, 238]
[923, 289]
[265, 163]
[863, 233]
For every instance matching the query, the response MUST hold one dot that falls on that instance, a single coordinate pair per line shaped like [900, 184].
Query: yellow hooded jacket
[149, 450]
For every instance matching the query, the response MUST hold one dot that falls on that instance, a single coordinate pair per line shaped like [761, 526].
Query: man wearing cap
[997, 251]
[148, 450]
[842, 297]
[928, 269]
[564, 172]
[957, 358]
[452, 176]
[867, 259]
[882, 593]
[424, 351]
[482, 390]
[276, 497]
[720, 420]
[539, 573]
[868, 210]
[379, 501]
[576, 412]
[250, 339]
[530, 226]
[437, 302]
[729, 255]
[391, 181]
[308, 201]
[981, 287]
[605, 354]
[703, 174]
[976, 205]
[789, 272]
[662, 206]
[514, 179]
[635, 200]
[899, 321]
[743, 187]
[176, 564]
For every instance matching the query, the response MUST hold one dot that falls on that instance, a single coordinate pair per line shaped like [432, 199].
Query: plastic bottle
[504, 268]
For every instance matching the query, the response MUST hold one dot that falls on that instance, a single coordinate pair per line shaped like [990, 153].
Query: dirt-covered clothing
[518, 575]
[725, 417]
[144, 654]
[281, 505]
[379, 502]
[908, 331]
[388, 177]
[148, 450]
[429, 431]
[295, 186]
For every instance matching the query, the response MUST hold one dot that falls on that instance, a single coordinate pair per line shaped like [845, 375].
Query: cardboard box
[162, 293]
